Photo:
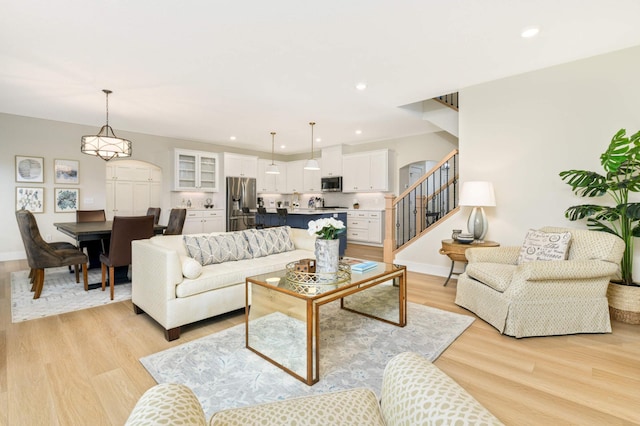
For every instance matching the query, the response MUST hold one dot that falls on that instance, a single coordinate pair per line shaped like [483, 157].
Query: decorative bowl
[465, 238]
[273, 280]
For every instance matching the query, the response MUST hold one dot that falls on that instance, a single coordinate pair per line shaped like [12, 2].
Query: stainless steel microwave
[331, 184]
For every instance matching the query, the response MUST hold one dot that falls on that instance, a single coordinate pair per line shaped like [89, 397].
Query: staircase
[429, 201]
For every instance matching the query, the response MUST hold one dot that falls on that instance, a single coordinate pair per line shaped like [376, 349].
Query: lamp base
[477, 223]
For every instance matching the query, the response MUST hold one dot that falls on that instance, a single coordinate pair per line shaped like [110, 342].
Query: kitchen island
[299, 218]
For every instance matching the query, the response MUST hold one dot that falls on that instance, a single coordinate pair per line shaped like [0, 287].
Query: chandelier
[105, 144]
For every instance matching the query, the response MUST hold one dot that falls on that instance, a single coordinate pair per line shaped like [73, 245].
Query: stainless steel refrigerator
[241, 192]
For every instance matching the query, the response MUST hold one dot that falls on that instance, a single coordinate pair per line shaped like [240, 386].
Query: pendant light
[312, 164]
[272, 169]
[105, 144]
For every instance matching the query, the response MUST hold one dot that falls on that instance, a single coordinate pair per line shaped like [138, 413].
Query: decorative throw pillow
[230, 246]
[264, 242]
[191, 268]
[198, 248]
[540, 245]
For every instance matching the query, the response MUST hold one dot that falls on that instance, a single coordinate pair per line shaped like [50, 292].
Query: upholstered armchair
[528, 297]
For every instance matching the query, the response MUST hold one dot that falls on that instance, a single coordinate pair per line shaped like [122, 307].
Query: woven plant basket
[624, 303]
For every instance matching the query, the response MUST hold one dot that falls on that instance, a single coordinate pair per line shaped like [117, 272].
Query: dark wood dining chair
[176, 222]
[94, 247]
[155, 212]
[261, 218]
[41, 255]
[248, 218]
[124, 230]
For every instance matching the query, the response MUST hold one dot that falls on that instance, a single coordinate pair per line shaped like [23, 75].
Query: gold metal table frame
[263, 298]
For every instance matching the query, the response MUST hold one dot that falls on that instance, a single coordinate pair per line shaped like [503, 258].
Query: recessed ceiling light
[233, 138]
[358, 132]
[529, 32]
[361, 86]
[318, 139]
[283, 146]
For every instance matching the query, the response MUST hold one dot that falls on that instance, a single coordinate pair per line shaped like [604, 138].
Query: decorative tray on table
[312, 283]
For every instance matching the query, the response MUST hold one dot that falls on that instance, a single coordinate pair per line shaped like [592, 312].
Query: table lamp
[477, 194]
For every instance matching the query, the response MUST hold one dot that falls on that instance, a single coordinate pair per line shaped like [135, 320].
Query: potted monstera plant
[621, 178]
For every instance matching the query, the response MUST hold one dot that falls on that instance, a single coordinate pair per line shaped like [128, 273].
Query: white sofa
[173, 289]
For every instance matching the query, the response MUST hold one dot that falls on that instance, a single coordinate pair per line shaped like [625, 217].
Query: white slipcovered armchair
[543, 297]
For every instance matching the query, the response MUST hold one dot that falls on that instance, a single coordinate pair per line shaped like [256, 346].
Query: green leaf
[617, 152]
[583, 211]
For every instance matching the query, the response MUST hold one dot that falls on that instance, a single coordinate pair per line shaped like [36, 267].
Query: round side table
[455, 251]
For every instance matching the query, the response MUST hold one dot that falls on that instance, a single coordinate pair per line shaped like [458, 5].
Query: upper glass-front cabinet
[195, 171]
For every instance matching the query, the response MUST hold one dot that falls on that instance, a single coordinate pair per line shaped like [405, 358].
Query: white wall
[520, 132]
[51, 140]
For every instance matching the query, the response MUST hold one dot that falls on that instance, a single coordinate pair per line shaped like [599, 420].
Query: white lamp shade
[477, 194]
[312, 164]
[272, 169]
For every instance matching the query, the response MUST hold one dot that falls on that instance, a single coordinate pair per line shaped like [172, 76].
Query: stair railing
[429, 201]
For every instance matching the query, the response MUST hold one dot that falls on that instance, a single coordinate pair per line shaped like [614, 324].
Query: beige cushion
[495, 275]
[191, 268]
[350, 407]
[416, 392]
[167, 404]
[539, 245]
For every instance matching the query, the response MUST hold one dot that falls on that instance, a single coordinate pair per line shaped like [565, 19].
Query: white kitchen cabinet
[331, 161]
[295, 176]
[240, 165]
[131, 188]
[204, 221]
[268, 183]
[195, 171]
[366, 171]
[311, 179]
[365, 226]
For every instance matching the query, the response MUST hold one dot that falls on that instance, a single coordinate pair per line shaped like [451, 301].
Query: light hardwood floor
[82, 368]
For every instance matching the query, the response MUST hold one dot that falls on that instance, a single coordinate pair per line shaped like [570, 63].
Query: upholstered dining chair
[124, 230]
[176, 222]
[41, 255]
[94, 247]
[155, 212]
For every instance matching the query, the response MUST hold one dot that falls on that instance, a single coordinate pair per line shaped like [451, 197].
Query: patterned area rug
[60, 294]
[355, 349]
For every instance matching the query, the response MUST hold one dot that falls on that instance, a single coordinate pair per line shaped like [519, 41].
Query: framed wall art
[66, 199]
[66, 171]
[29, 169]
[31, 199]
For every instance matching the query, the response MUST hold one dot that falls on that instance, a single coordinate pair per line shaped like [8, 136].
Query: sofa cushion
[495, 275]
[539, 245]
[265, 242]
[191, 268]
[357, 406]
[226, 274]
[217, 248]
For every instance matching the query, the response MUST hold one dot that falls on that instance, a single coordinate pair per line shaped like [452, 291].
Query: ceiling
[206, 70]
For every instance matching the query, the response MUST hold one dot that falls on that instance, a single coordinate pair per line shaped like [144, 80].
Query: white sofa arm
[155, 272]
[167, 404]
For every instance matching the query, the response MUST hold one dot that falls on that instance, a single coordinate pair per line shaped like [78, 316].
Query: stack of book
[363, 266]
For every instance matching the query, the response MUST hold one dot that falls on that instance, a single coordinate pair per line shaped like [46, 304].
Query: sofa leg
[137, 310]
[172, 334]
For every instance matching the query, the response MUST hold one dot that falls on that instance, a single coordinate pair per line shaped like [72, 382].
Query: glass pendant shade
[272, 169]
[312, 163]
[105, 144]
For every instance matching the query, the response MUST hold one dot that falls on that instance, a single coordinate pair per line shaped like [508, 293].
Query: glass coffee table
[282, 314]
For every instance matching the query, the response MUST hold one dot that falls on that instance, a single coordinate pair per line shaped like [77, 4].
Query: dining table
[97, 231]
